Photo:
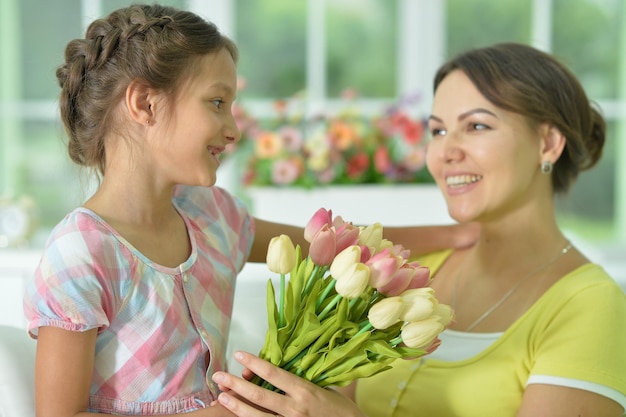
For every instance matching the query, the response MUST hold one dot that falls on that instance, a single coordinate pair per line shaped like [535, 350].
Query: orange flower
[342, 135]
[268, 145]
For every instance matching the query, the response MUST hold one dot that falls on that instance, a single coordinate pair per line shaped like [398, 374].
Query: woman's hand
[302, 398]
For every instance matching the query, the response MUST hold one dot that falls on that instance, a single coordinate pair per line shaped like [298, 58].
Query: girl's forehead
[213, 71]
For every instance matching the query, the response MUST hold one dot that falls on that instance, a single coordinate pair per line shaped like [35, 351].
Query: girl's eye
[218, 102]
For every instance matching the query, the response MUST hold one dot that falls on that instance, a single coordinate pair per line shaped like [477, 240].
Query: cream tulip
[281, 255]
[371, 236]
[421, 334]
[386, 312]
[417, 306]
[353, 281]
[344, 260]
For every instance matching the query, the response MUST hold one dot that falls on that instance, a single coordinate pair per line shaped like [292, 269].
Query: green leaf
[272, 349]
[363, 371]
[344, 353]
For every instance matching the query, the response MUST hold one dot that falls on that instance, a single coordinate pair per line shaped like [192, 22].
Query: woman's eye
[437, 132]
[478, 126]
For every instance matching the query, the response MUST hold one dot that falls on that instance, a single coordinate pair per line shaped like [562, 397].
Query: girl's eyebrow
[222, 86]
[465, 115]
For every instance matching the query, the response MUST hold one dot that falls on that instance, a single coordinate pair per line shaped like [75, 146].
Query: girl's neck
[131, 202]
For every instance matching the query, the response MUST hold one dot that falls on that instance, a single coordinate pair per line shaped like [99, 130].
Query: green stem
[364, 329]
[375, 297]
[329, 307]
[395, 341]
[327, 290]
[281, 302]
[309, 281]
[295, 360]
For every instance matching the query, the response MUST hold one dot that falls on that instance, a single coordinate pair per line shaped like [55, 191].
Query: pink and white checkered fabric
[155, 324]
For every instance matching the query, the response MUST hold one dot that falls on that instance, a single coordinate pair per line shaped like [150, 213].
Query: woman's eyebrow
[465, 115]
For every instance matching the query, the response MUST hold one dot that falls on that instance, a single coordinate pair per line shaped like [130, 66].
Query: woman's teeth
[462, 180]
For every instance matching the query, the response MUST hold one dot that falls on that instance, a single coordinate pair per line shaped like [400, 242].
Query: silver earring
[546, 167]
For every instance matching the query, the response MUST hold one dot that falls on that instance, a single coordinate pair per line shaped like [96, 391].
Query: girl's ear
[140, 102]
[552, 143]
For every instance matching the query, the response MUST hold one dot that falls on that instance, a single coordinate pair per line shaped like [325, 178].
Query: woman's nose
[452, 150]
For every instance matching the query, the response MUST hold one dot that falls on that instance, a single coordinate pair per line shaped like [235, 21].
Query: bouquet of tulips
[351, 307]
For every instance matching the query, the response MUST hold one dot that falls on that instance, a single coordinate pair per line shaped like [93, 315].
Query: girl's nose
[231, 131]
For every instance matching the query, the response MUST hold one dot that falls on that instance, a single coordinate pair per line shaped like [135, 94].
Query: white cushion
[17, 373]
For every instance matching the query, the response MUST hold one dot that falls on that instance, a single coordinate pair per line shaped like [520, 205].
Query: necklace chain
[511, 291]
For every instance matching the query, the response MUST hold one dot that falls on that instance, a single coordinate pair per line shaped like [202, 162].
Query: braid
[149, 42]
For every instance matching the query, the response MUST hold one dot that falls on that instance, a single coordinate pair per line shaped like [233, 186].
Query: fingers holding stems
[301, 398]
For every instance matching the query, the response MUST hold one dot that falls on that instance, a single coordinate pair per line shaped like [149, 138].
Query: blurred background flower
[346, 147]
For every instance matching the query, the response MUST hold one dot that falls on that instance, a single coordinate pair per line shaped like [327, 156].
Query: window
[382, 49]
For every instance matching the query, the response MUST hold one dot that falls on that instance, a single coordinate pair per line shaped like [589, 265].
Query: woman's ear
[140, 102]
[552, 143]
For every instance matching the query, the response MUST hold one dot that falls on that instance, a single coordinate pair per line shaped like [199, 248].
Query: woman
[539, 328]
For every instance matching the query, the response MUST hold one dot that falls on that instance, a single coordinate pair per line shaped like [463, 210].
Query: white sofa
[17, 365]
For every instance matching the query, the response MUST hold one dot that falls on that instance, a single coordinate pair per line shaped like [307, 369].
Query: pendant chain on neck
[511, 291]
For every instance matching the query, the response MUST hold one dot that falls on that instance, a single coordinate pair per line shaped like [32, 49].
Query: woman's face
[484, 159]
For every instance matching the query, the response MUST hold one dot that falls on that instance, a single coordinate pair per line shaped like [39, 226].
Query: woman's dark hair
[154, 43]
[532, 83]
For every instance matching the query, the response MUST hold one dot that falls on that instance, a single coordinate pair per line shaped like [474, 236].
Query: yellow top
[576, 330]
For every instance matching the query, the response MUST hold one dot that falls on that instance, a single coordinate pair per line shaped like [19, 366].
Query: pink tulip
[420, 279]
[320, 218]
[399, 282]
[383, 267]
[401, 251]
[366, 254]
[322, 249]
[347, 235]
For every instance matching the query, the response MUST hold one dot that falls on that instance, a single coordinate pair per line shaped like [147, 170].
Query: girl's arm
[63, 373]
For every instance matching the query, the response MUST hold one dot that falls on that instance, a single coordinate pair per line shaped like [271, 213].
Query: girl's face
[484, 159]
[201, 124]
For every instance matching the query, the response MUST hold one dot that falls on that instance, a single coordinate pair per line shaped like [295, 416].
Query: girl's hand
[301, 398]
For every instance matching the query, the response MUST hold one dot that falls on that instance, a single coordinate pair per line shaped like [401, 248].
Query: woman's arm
[265, 231]
[302, 398]
[421, 240]
[542, 400]
[418, 239]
